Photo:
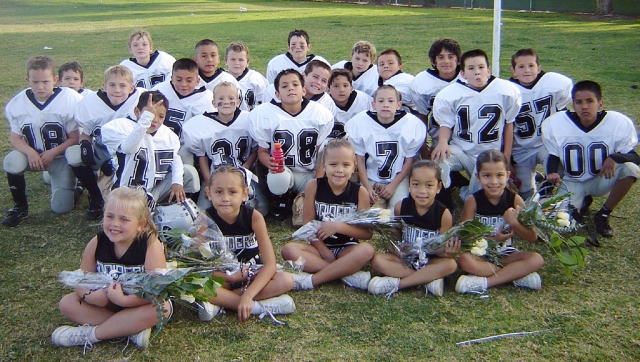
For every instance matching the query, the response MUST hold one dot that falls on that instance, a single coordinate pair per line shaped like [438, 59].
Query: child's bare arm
[364, 179]
[511, 217]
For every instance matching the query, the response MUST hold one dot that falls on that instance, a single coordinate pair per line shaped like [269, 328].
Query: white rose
[172, 265]
[478, 251]
[562, 216]
[205, 250]
[563, 222]
[482, 244]
[188, 297]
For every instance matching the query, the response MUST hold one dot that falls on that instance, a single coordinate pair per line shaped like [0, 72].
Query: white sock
[92, 336]
[256, 309]
[308, 282]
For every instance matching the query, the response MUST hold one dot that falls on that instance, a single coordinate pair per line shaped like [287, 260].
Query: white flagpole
[497, 25]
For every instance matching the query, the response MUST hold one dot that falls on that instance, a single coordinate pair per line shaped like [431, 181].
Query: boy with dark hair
[543, 94]
[147, 151]
[42, 127]
[348, 101]
[362, 67]
[187, 99]
[207, 56]
[596, 149]
[252, 84]
[296, 57]
[390, 70]
[478, 115]
[70, 75]
[148, 67]
[300, 126]
[117, 100]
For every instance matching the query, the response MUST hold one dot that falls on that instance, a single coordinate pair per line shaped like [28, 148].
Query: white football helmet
[175, 216]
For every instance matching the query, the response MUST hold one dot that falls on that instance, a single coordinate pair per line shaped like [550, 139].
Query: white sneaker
[471, 284]
[207, 311]
[445, 174]
[358, 280]
[282, 304]
[436, 287]
[531, 281]
[302, 281]
[383, 285]
[141, 339]
[68, 336]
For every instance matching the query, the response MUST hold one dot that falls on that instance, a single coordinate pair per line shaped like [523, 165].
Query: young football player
[223, 137]
[148, 67]
[444, 55]
[70, 75]
[363, 70]
[348, 101]
[42, 128]
[543, 94]
[187, 99]
[596, 150]
[117, 100]
[252, 84]
[299, 125]
[390, 69]
[316, 77]
[297, 56]
[207, 56]
[477, 115]
[386, 141]
[147, 151]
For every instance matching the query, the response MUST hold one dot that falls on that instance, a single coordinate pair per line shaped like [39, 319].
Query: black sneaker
[14, 216]
[601, 222]
[586, 203]
[281, 209]
[94, 212]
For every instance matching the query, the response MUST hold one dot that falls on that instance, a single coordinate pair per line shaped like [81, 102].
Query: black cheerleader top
[420, 226]
[490, 214]
[239, 236]
[131, 261]
[329, 206]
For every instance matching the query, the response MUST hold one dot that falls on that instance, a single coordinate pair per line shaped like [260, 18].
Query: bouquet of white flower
[377, 219]
[156, 286]
[471, 234]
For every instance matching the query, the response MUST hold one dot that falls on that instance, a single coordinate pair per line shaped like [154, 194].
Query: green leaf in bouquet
[555, 241]
[567, 259]
[576, 240]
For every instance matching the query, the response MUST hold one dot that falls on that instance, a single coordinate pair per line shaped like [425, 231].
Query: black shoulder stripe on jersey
[352, 98]
[32, 98]
[246, 70]
[573, 116]
[152, 58]
[309, 58]
[436, 74]
[398, 116]
[530, 86]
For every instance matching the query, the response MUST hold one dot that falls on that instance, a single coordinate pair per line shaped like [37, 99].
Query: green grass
[597, 310]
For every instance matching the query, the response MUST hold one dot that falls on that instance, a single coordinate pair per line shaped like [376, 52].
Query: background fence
[620, 7]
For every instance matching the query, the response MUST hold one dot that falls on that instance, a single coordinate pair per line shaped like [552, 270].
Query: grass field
[596, 312]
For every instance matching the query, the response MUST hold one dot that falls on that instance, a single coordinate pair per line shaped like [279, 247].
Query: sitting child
[147, 66]
[297, 56]
[364, 71]
[252, 84]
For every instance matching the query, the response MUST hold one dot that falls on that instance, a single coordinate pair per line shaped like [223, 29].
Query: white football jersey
[224, 143]
[366, 82]
[43, 126]
[181, 109]
[299, 134]
[218, 77]
[551, 92]
[583, 150]
[358, 102]
[424, 88]
[157, 71]
[402, 82]
[95, 109]
[285, 61]
[252, 87]
[385, 146]
[324, 99]
[85, 91]
[147, 157]
[477, 117]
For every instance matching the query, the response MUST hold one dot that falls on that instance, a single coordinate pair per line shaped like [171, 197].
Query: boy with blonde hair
[363, 70]
[251, 84]
[117, 99]
[42, 128]
[148, 67]
[297, 56]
